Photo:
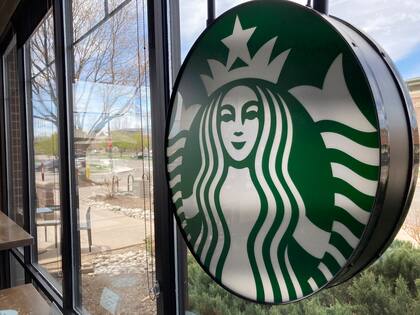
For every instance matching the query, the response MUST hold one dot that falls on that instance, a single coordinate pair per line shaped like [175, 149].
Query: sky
[89, 105]
[394, 25]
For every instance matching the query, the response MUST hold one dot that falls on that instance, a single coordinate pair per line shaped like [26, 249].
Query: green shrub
[390, 286]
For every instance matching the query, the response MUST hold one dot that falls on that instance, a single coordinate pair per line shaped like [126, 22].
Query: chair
[88, 227]
[48, 219]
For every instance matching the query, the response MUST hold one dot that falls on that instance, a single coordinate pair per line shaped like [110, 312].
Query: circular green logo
[272, 151]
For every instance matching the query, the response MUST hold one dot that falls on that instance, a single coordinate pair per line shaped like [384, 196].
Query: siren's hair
[267, 251]
[213, 242]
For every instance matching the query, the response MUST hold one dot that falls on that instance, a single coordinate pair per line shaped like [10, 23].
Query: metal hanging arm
[321, 6]
[211, 11]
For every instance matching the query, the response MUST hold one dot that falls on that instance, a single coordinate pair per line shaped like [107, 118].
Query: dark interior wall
[20, 19]
[7, 7]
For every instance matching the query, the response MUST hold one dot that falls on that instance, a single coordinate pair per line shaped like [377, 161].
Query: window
[113, 157]
[43, 148]
[112, 240]
[192, 24]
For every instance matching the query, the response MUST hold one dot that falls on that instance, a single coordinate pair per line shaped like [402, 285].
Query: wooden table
[12, 235]
[24, 299]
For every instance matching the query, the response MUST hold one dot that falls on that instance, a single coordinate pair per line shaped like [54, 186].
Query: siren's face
[239, 122]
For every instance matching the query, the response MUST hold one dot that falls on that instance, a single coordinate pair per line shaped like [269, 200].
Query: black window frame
[164, 62]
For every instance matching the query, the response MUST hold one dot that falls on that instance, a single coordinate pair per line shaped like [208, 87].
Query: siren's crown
[259, 67]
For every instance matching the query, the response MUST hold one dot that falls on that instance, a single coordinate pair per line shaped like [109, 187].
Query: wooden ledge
[12, 235]
[24, 299]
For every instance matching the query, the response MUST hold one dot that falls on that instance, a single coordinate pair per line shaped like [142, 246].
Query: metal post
[67, 181]
[181, 248]
[159, 90]
[321, 6]
[211, 11]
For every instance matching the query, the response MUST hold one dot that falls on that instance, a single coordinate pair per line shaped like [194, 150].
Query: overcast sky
[395, 25]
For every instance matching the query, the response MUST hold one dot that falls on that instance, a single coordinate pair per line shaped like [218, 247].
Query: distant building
[411, 228]
[414, 88]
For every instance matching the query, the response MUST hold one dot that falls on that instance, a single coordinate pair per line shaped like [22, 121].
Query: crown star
[259, 67]
[237, 43]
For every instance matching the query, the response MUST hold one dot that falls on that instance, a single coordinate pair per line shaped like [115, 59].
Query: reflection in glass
[44, 150]
[13, 134]
[112, 147]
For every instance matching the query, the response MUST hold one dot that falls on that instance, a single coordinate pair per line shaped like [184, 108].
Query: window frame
[6, 113]
[5, 42]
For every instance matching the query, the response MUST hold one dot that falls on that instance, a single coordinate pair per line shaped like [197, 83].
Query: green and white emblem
[273, 151]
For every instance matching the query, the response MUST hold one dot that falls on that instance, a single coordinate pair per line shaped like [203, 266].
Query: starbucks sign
[291, 151]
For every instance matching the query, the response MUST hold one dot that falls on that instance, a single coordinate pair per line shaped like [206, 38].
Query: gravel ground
[121, 275]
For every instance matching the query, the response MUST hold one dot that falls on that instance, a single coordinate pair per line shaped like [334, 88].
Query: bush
[390, 286]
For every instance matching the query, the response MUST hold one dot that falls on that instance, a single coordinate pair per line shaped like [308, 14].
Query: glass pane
[391, 278]
[191, 25]
[86, 14]
[224, 5]
[43, 150]
[13, 135]
[112, 135]
[113, 4]
[389, 23]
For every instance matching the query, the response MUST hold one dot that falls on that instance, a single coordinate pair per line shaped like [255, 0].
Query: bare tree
[109, 67]
[43, 72]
